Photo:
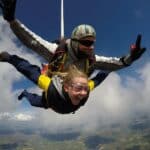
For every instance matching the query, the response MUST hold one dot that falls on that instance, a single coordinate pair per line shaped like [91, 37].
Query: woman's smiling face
[77, 90]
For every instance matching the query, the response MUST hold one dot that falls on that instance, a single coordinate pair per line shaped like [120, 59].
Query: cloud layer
[116, 99]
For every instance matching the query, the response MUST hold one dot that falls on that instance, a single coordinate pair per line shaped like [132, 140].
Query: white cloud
[8, 75]
[110, 102]
[5, 115]
[22, 117]
[16, 116]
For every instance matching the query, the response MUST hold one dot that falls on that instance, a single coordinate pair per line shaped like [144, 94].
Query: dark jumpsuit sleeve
[36, 43]
[98, 79]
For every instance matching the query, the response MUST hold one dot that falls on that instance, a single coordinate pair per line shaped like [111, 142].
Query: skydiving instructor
[77, 50]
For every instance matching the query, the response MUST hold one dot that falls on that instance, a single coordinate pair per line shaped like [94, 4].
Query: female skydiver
[64, 93]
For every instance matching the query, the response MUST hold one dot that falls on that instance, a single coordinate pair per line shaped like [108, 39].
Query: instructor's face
[86, 45]
[77, 90]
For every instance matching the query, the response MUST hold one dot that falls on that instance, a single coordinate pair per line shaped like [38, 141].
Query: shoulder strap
[61, 49]
[57, 62]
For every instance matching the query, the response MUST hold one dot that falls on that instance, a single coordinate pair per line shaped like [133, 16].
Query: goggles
[77, 87]
[86, 43]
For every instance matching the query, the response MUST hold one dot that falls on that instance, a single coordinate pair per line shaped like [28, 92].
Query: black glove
[136, 51]
[8, 9]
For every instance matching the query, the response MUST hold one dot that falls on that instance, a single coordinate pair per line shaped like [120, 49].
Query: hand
[136, 50]
[8, 9]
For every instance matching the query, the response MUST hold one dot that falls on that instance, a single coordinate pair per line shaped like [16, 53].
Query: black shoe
[22, 95]
[8, 9]
[4, 56]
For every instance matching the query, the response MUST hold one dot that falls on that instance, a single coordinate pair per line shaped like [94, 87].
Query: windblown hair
[73, 72]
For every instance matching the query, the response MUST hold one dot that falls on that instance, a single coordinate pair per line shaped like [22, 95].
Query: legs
[8, 9]
[4, 56]
[32, 72]
[34, 99]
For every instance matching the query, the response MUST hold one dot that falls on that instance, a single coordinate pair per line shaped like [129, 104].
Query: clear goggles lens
[79, 87]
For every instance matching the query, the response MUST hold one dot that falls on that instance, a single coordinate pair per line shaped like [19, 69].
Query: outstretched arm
[113, 63]
[31, 40]
[27, 37]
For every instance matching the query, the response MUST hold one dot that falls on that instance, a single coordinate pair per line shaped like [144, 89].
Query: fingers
[138, 41]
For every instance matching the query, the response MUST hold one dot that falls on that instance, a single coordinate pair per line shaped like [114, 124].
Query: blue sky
[117, 24]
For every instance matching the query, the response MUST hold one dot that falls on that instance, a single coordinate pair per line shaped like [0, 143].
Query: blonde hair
[73, 72]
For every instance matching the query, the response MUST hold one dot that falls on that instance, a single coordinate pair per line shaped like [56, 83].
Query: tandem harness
[57, 62]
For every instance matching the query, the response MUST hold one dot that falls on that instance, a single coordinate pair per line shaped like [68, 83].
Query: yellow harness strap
[44, 82]
[91, 84]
